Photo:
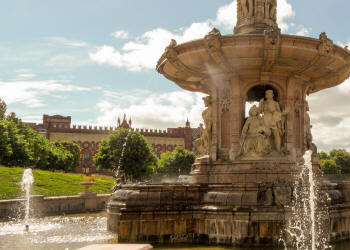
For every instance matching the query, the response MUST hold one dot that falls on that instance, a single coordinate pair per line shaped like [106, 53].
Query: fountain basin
[227, 214]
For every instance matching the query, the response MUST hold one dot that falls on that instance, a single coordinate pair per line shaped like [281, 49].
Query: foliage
[330, 167]
[342, 159]
[339, 157]
[323, 155]
[177, 162]
[48, 183]
[138, 160]
[2, 110]
[69, 153]
[22, 146]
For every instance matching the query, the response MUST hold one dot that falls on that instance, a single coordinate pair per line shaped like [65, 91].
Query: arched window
[86, 156]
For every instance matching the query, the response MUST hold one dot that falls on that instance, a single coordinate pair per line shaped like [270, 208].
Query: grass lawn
[48, 183]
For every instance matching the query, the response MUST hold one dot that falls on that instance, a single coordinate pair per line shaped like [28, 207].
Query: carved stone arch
[276, 86]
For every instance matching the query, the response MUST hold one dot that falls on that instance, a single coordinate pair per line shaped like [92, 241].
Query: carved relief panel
[225, 102]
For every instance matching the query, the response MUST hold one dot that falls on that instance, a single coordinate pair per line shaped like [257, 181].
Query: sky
[95, 60]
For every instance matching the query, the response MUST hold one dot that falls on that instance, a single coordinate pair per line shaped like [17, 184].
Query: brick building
[88, 138]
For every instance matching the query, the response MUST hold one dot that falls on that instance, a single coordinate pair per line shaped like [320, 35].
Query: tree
[21, 146]
[323, 155]
[176, 163]
[330, 167]
[128, 149]
[70, 153]
[2, 110]
[342, 159]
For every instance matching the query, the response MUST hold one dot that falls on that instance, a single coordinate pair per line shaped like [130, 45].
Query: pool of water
[55, 233]
[75, 231]
[340, 246]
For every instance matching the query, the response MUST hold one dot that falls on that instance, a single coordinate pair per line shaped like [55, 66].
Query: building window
[86, 156]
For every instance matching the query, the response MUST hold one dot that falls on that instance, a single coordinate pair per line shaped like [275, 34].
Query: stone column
[215, 129]
[237, 116]
[291, 118]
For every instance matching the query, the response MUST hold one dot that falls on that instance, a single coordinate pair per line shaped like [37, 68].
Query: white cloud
[67, 61]
[25, 76]
[145, 50]
[151, 110]
[284, 11]
[331, 124]
[31, 93]
[120, 34]
[226, 16]
[303, 31]
[68, 42]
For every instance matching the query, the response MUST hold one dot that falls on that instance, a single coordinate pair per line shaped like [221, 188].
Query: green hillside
[48, 183]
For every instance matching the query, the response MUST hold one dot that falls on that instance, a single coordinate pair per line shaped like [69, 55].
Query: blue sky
[94, 60]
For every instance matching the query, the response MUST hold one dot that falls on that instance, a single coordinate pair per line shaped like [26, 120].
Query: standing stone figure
[273, 118]
[270, 9]
[255, 136]
[202, 145]
[247, 8]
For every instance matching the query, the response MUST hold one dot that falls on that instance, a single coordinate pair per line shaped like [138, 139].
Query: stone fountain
[242, 181]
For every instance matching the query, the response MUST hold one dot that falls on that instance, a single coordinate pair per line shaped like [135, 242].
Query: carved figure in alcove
[255, 136]
[274, 118]
[270, 9]
[247, 8]
[202, 145]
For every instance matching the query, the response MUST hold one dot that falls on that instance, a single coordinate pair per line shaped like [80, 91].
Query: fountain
[242, 184]
[26, 184]
[53, 232]
[310, 204]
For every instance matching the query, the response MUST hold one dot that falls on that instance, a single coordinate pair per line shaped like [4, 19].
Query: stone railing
[42, 206]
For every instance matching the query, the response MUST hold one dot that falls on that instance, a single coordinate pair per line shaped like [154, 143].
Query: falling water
[26, 184]
[117, 169]
[306, 226]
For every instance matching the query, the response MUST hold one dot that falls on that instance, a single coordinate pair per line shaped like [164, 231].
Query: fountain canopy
[257, 52]
[228, 67]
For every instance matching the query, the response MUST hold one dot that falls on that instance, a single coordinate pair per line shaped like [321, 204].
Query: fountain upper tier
[257, 57]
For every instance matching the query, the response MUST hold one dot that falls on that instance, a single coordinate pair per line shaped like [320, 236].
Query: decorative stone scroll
[326, 47]
[213, 46]
[272, 43]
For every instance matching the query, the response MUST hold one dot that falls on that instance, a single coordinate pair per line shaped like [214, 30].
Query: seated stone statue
[255, 136]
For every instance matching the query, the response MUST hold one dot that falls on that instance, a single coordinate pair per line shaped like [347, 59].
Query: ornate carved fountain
[241, 180]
